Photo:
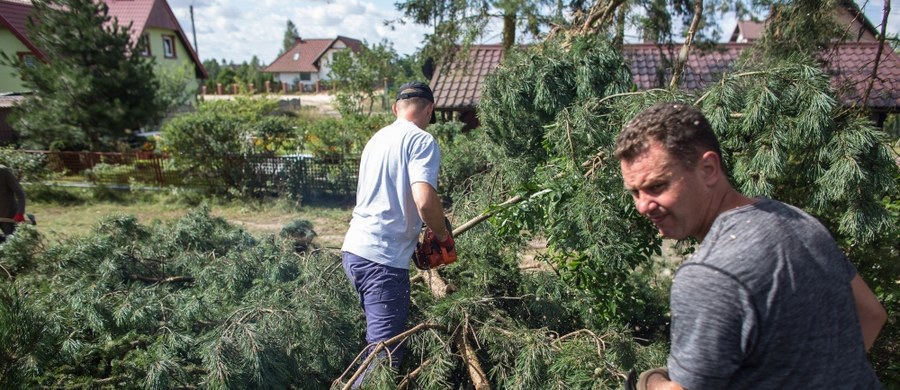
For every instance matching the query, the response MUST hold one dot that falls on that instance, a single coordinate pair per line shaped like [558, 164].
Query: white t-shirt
[386, 222]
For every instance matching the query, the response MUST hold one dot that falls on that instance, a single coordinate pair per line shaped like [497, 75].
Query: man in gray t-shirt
[768, 301]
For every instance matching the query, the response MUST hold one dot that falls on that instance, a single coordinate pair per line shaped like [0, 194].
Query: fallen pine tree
[200, 303]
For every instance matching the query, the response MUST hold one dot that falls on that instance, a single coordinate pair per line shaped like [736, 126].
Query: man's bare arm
[430, 208]
[872, 315]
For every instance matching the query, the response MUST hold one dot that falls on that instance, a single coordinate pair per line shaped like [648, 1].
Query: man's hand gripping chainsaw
[430, 252]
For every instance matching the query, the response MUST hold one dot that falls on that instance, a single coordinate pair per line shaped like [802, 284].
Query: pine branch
[600, 13]
[683, 55]
[884, 20]
[601, 345]
[404, 384]
[380, 346]
[439, 286]
[171, 279]
[7, 271]
[476, 373]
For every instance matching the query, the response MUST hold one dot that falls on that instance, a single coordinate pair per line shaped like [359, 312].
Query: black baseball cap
[415, 89]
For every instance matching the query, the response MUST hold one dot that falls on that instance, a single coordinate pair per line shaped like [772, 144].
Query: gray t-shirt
[766, 303]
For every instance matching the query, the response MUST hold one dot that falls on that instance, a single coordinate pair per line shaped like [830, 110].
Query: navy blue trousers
[384, 297]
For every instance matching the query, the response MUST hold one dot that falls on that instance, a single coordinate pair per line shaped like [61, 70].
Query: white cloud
[237, 30]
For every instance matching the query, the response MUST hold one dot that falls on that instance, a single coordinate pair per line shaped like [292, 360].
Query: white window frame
[169, 46]
[146, 39]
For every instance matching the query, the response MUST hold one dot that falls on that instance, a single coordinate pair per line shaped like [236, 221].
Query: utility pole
[194, 31]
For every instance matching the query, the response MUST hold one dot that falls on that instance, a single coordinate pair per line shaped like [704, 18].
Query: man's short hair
[415, 102]
[679, 128]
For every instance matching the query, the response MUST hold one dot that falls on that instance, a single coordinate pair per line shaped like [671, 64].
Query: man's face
[674, 198]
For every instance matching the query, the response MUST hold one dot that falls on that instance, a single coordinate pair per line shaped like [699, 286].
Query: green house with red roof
[152, 20]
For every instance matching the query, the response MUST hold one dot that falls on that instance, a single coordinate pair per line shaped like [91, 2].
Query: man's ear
[710, 167]
[394, 108]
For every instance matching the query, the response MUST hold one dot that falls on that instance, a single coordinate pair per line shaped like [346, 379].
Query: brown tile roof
[152, 13]
[850, 64]
[702, 67]
[460, 86]
[308, 52]
[14, 16]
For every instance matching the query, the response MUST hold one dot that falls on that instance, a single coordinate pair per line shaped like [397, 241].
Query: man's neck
[728, 199]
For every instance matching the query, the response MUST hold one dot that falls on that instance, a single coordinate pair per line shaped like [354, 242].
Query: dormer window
[296, 56]
[168, 46]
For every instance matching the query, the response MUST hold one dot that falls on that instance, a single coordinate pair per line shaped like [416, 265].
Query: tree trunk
[509, 30]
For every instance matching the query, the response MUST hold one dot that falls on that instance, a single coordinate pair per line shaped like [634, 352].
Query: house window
[305, 76]
[169, 46]
[145, 41]
[27, 58]
[296, 56]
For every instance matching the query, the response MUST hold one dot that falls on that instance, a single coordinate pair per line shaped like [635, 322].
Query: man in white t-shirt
[396, 193]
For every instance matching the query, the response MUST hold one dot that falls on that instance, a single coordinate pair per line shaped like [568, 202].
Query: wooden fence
[297, 175]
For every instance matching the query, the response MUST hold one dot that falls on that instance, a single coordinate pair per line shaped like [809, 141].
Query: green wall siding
[182, 57]
[11, 45]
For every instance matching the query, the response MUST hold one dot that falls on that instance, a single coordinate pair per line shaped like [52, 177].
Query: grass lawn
[66, 212]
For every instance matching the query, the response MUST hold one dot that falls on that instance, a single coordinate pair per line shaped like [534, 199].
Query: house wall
[11, 45]
[182, 57]
[856, 31]
[327, 58]
[293, 79]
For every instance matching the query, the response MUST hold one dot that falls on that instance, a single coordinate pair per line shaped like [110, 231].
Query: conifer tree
[95, 87]
[777, 116]
[290, 37]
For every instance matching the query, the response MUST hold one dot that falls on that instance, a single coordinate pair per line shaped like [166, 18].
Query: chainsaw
[429, 254]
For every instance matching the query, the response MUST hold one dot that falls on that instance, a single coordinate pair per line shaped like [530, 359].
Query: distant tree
[251, 73]
[458, 22]
[95, 85]
[213, 69]
[290, 36]
[361, 73]
[226, 76]
[177, 87]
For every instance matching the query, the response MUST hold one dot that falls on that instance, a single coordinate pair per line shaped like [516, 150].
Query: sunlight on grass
[68, 212]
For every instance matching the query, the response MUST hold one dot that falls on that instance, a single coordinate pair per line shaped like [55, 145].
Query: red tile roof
[142, 13]
[850, 64]
[460, 86]
[152, 13]
[702, 67]
[305, 54]
[13, 16]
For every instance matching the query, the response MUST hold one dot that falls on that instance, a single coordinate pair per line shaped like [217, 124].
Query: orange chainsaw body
[429, 254]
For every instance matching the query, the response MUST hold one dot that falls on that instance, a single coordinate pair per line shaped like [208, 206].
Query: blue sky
[236, 30]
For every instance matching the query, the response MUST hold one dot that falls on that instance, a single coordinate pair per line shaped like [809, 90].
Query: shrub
[27, 166]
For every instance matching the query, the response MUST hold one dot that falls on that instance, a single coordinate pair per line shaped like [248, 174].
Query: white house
[308, 61]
